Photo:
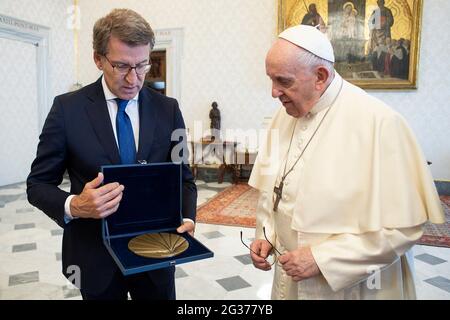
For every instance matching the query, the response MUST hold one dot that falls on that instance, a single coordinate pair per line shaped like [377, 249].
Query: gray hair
[308, 59]
[125, 24]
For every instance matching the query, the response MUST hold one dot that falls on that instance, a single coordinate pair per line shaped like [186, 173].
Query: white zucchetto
[310, 39]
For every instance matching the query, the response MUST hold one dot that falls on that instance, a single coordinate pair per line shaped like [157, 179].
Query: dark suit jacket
[78, 137]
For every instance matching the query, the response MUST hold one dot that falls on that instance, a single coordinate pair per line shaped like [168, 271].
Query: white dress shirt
[132, 110]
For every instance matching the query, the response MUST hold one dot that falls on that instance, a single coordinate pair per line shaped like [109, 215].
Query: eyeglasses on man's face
[124, 69]
[274, 251]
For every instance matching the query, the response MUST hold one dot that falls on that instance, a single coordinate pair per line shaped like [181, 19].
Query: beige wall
[225, 42]
[54, 15]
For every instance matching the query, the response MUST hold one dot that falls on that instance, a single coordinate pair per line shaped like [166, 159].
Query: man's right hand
[262, 248]
[97, 202]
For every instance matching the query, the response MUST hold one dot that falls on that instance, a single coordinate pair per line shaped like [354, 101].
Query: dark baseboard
[443, 187]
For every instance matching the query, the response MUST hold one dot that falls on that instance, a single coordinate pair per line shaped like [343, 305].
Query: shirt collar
[109, 95]
[329, 95]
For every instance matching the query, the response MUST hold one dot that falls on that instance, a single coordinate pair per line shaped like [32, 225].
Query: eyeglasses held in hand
[273, 249]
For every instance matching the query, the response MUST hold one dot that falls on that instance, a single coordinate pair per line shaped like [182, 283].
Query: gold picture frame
[376, 46]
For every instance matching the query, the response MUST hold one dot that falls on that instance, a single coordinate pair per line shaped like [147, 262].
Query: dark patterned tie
[125, 136]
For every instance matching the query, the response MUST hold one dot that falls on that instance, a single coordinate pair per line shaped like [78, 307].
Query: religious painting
[376, 42]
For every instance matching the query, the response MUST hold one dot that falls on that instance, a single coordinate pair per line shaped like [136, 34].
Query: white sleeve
[347, 259]
[264, 218]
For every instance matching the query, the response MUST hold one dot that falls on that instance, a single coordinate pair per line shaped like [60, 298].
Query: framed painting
[376, 42]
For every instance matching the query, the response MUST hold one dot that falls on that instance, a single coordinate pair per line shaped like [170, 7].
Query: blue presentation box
[151, 203]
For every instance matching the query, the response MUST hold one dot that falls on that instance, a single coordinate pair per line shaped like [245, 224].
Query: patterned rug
[438, 234]
[236, 206]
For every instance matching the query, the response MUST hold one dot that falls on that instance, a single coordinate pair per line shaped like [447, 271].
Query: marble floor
[30, 258]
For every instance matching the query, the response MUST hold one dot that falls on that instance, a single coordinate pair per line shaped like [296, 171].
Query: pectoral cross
[279, 192]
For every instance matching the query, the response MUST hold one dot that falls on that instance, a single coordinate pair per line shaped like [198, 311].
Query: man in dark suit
[112, 121]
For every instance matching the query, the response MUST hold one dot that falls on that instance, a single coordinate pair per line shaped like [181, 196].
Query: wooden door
[156, 77]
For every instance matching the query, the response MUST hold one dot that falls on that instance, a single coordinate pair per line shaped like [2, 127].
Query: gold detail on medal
[158, 245]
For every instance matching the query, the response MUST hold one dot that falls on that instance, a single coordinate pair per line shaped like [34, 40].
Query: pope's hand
[187, 226]
[97, 202]
[262, 249]
[299, 264]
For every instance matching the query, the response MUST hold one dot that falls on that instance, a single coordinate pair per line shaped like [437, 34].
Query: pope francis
[344, 187]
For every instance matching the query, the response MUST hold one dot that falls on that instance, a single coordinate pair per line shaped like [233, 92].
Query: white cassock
[358, 197]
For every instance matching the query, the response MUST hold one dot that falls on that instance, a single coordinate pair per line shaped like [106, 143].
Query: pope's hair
[308, 59]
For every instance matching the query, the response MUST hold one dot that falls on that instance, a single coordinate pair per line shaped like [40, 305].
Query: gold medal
[158, 245]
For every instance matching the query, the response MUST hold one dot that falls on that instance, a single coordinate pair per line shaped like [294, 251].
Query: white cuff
[68, 215]
[188, 220]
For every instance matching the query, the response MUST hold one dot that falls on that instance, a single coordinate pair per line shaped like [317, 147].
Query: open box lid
[151, 199]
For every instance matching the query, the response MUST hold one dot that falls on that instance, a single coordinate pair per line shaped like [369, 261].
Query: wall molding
[37, 35]
[171, 40]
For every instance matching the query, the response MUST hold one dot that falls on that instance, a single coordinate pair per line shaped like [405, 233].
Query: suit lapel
[147, 124]
[98, 114]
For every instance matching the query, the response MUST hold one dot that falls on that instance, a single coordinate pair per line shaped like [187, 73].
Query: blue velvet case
[151, 203]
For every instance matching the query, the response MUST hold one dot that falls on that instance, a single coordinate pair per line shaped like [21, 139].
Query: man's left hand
[299, 264]
[187, 226]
